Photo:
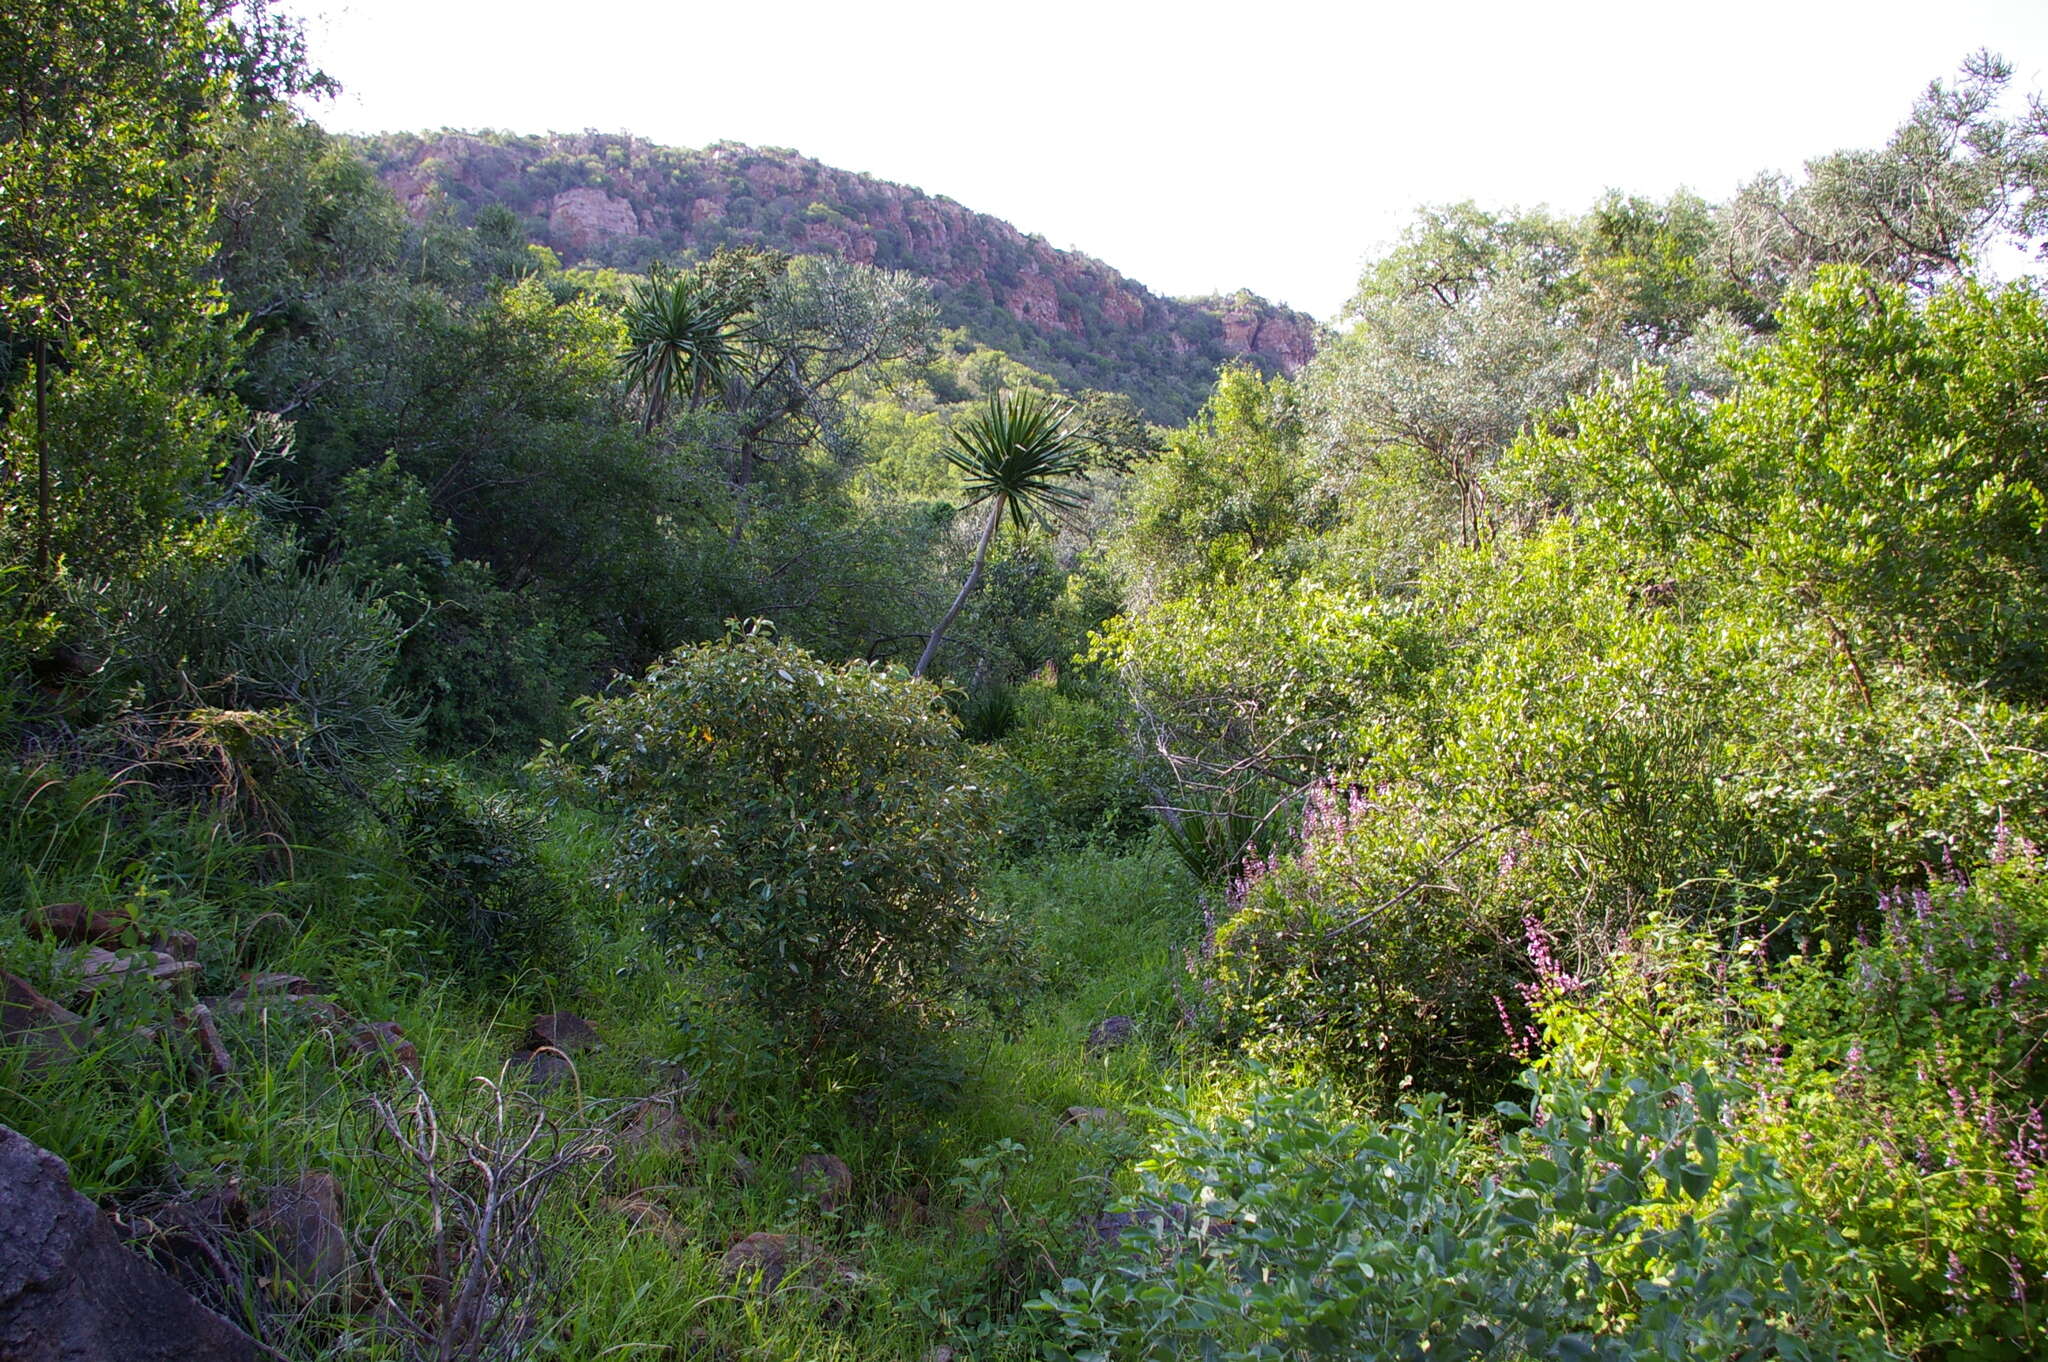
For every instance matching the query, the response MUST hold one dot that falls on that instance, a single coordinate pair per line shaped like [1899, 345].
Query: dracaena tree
[682, 336]
[1015, 456]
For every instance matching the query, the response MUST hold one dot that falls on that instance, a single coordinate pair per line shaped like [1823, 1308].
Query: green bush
[486, 893]
[1284, 1230]
[1068, 774]
[1376, 951]
[487, 666]
[1899, 1084]
[263, 666]
[816, 827]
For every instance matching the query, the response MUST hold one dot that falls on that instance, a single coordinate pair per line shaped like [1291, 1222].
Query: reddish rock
[823, 1179]
[905, 1211]
[214, 1059]
[175, 942]
[660, 1125]
[69, 1290]
[647, 1215]
[586, 217]
[72, 925]
[261, 985]
[50, 1033]
[564, 1031]
[387, 1043]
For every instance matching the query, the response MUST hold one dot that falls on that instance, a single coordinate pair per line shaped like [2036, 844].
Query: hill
[612, 199]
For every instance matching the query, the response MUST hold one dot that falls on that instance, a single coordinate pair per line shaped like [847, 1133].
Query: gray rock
[1111, 1032]
[776, 1262]
[299, 1227]
[69, 1291]
[564, 1031]
[824, 1179]
[538, 1068]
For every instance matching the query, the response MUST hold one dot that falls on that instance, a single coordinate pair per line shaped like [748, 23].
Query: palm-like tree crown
[1013, 456]
[680, 335]
[1017, 452]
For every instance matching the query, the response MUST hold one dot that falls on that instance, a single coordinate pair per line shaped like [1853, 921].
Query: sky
[1196, 147]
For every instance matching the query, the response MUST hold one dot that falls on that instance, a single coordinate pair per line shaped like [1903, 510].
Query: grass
[968, 1195]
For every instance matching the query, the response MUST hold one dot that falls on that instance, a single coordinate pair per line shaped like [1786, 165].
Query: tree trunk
[988, 533]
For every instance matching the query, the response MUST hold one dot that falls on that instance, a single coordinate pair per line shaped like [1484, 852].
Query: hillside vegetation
[688, 805]
[614, 200]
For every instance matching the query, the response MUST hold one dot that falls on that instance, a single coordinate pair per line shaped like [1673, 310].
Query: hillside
[616, 200]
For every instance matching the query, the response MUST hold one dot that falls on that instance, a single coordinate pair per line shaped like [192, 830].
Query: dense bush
[1620, 1225]
[817, 827]
[1068, 773]
[1899, 1084]
[485, 892]
[272, 669]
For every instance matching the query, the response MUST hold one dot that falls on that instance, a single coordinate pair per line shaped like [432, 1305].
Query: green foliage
[490, 670]
[269, 671]
[1958, 175]
[1230, 497]
[1019, 455]
[817, 827]
[1067, 772]
[1877, 470]
[1282, 1229]
[1898, 1082]
[681, 337]
[485, 891]
[1259, 682]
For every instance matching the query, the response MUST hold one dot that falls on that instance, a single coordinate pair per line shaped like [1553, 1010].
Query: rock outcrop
[69, 1290]
[617, 200]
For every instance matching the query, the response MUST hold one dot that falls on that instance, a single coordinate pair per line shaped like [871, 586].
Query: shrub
[1068, 773]
[271, 667]
[1376, 950]
[1899, 1084]
[476, 855]
[1284, 1230]
[817, 827]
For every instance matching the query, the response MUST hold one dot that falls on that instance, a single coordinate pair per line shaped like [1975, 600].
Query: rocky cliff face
[616, 200]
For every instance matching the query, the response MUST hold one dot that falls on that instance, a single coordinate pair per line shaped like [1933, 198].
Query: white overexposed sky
[1197, 147]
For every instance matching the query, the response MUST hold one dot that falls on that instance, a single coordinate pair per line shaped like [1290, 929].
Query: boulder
[776, 1262]
[648, 1216]
[564, 1031]
[69, 1290]
[824, 1179]
[1111, 1032]
[658, 1124]
[72, 924]
[299, 1229]
[905, 1211]
[386, 1043]
[51, 1034]
[539, 1068]
[265, 985]
[175, 942]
